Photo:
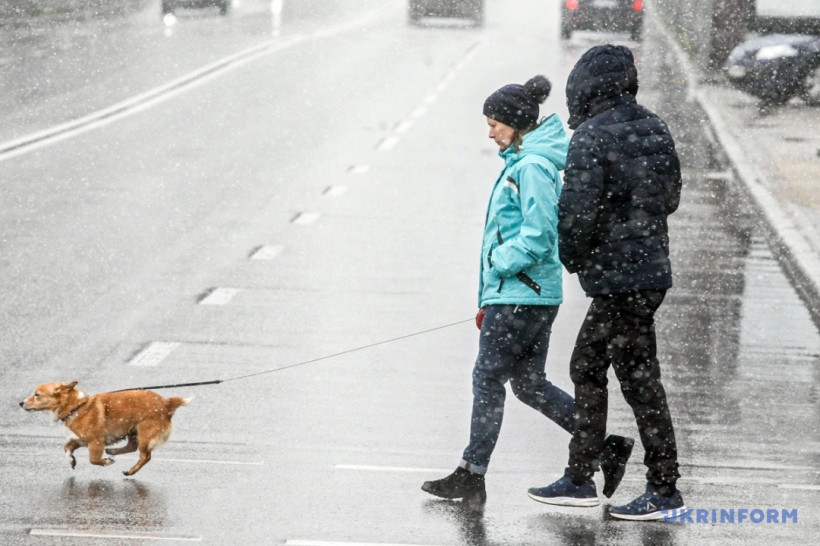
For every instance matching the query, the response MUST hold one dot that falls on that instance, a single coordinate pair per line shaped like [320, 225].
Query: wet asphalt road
[335, 186]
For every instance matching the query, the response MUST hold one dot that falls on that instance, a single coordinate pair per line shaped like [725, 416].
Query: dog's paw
[108, 462]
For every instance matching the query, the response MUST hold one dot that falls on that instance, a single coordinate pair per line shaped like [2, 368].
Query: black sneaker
[617, 450]
[461, 484]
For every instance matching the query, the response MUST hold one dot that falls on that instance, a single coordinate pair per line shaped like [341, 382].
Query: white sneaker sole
[671, 515]
[567, 501]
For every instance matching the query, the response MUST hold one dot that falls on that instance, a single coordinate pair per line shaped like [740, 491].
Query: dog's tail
[174, 402]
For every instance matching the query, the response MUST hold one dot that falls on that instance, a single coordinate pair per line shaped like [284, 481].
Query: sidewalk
[776, 158]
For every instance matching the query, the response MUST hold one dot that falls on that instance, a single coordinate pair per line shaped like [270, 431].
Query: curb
[791, 247]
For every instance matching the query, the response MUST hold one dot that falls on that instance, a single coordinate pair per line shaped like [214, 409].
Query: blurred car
[463, 9]
[170, 6]
[777, 67]
[602, 15]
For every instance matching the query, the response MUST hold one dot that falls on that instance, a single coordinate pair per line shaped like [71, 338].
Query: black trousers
[619, 331]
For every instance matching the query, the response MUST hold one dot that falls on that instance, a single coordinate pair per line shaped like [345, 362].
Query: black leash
[289, 366]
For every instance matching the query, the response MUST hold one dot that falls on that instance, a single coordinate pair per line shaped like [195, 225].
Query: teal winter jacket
[519, 255]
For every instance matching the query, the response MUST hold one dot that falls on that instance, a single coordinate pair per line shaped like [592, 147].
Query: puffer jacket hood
[519, 254]
[548, 140]
[603, 77]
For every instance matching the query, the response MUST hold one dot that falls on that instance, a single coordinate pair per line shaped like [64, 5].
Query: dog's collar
[72, 412]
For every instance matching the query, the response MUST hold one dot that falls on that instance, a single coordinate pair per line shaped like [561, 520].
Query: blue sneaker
[650, 506]
[565, 493]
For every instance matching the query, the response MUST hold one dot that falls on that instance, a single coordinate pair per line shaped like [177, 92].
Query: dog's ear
[68, 386]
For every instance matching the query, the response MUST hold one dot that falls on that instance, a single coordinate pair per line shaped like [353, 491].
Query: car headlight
[775, 52]
[736, 71]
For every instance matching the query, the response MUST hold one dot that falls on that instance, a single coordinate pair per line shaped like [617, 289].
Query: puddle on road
[740, 353]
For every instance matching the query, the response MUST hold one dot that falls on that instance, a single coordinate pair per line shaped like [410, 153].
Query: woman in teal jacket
[520, 287]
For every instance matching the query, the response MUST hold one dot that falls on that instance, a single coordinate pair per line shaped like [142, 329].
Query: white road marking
[305, 218]
[296, 542]
[111, 535]
[374, 468]
[335, 191]
[418, 112]
[219, 296]
[404, 126]
[805, 487]
[159, 94]
[388, 143]
[154, 353]
[195, 461]
[267, 252]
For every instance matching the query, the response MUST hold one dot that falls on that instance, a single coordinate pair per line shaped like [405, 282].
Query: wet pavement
[774, 153]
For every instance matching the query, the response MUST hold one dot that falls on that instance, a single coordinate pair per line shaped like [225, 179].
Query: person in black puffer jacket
[622, 180]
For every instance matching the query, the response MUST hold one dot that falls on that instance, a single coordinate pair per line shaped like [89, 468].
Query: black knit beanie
[517, 105]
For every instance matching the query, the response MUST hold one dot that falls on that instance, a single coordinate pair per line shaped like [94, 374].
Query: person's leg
[634, 359]
[529, 381]
[503, 334]
[588, 369]
[493, 368]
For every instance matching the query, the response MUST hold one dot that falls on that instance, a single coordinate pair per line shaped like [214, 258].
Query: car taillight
[572, 4]
[637, 5]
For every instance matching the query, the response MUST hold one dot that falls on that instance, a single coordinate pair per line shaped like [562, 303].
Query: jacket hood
[548, 140]
[603, 77]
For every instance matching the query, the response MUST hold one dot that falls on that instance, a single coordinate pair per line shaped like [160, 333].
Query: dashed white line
[266, 252]
[200, 461]
[335, 191]
[375, 468]
[298, 542]
[387, 143]
[123, 535]
[305, 218]
[154, 353]
[418, 112]
[219, 296]
[404, 126]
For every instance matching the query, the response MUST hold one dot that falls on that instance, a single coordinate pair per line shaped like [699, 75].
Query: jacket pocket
[528, 281]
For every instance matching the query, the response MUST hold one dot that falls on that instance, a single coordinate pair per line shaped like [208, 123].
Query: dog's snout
[21, 403]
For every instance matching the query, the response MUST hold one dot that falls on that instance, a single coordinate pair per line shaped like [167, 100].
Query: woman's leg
[529, 381]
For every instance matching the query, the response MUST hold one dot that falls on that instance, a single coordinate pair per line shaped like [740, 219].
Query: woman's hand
[479, 318]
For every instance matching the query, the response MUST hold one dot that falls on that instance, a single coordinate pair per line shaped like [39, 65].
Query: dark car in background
[777, 67]
[461, 9]
[602, 15]
[170, 6]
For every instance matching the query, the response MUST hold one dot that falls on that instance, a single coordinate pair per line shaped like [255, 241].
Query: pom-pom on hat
[517, 105]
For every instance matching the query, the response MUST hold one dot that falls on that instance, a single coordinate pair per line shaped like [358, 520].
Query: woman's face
[503, 135]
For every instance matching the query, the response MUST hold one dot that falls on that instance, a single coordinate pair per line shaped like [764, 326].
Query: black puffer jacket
[622, 180]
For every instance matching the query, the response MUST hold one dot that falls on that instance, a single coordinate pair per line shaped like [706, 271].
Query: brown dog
[143, 417]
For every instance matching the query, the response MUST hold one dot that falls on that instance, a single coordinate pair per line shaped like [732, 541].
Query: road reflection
[468, 519]
[102, 504]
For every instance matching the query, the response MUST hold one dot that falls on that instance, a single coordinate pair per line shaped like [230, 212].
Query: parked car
[602, 15]
[169, 6]
[463, 9]
[777, 67]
